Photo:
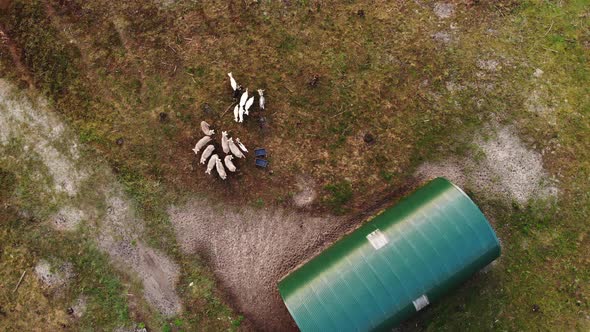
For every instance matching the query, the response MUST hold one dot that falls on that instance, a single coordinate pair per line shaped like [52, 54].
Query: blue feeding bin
[260, 152]
[261, 162]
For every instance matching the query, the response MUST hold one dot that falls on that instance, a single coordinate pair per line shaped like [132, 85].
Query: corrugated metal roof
[393, 265]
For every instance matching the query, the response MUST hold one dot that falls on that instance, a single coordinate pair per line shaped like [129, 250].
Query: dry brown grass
[377, 75]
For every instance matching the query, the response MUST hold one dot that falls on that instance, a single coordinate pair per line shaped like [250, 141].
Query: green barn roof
[395, 264]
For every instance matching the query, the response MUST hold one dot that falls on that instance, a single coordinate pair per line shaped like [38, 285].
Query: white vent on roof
[377, 239]
[421, 302]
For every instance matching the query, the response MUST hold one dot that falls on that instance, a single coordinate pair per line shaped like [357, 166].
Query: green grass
[541, 280]
[32, 193]
[535, 216]
[49, 59]
[339, 194]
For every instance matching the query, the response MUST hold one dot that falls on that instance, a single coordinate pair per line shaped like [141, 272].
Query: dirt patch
[120, 237]
[250, 250]
[444, 10]
[68, 218]
[451, 169]
[489, 65]
[307, 192]
[38, 135]
[159, 280]
[519, 168]
[443, 37]
[538, 102]
[53, 277]
[507, 168]
[453, 87]
[42, 135]
[79, 307]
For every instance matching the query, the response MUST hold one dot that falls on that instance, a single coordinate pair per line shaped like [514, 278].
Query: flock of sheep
[243, 107]
[230, 147]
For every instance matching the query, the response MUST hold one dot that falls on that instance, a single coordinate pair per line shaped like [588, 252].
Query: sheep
[214, 158]
[241, 115]
[236, 112]
[248, 105]
[201, 143]
[220, 169]
[208, 151]
[205, 128]
[232, 81]
[242, 146]
[229, 164]
[235, 86]
[243, 99]
[261, 99]
[234, 149]
[224, 143]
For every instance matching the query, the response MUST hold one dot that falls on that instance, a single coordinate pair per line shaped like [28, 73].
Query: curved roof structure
[394, 265]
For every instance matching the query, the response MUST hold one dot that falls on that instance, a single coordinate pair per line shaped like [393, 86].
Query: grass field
[425, 80]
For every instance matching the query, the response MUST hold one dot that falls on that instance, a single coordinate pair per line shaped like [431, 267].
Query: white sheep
[241, 115]
[224, 143]
[234, 149]
[229, 164]
[220, 169]
[243, 98]
[214, 158]
[248, 105]
[236, 112]
[208, 151]
[241, 145]
[261, 99]
[205, 128]
[201, 143]
[232, 81]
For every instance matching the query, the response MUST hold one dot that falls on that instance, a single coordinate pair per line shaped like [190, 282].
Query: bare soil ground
[502, 165]
[53, 277]
[250, 250]
[307, 192]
